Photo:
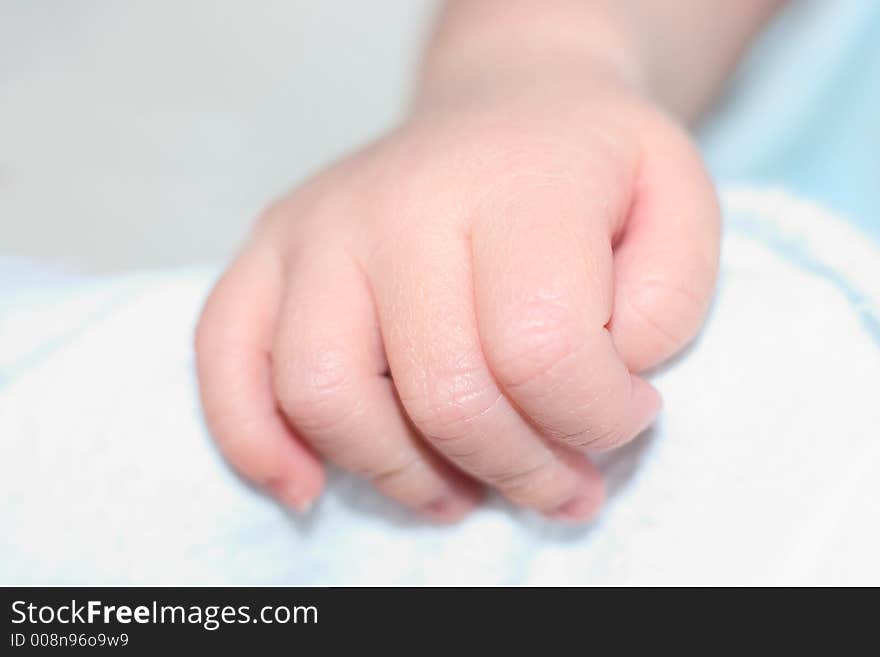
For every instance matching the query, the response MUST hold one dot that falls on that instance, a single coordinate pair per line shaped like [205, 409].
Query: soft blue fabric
[803, 112]
[762, 469]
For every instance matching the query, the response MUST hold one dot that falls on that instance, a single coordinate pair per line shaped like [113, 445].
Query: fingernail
[289, 494]
[446, 509]
[584, 505]
[303, 507]
[647, 403]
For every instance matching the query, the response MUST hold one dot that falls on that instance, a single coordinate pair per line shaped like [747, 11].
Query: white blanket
[765, 466]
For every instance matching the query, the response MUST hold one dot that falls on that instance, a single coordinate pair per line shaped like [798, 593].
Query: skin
[467, 301]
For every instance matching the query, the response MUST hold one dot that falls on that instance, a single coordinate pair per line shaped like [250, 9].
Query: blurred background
[149, 133]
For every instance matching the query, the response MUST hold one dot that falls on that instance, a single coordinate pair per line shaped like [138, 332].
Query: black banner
[147, 620]
[151, 619]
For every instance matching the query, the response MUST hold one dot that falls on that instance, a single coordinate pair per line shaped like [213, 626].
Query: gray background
[149, 133]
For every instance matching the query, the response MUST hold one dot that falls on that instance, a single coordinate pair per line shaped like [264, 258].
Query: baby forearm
[679, 52]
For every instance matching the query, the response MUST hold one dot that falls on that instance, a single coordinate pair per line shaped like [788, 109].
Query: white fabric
[765, 467]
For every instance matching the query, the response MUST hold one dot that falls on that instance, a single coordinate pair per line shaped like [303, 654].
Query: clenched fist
[466, 303]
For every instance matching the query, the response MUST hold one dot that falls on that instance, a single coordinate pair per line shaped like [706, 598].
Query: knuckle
[450, 404]
[536, 486]
[315, 394]
[597, 435]
[394, 476]
[533, 343]
[600, 423]
[522, 479]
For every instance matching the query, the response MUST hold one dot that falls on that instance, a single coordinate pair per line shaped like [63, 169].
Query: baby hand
[464, 303]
